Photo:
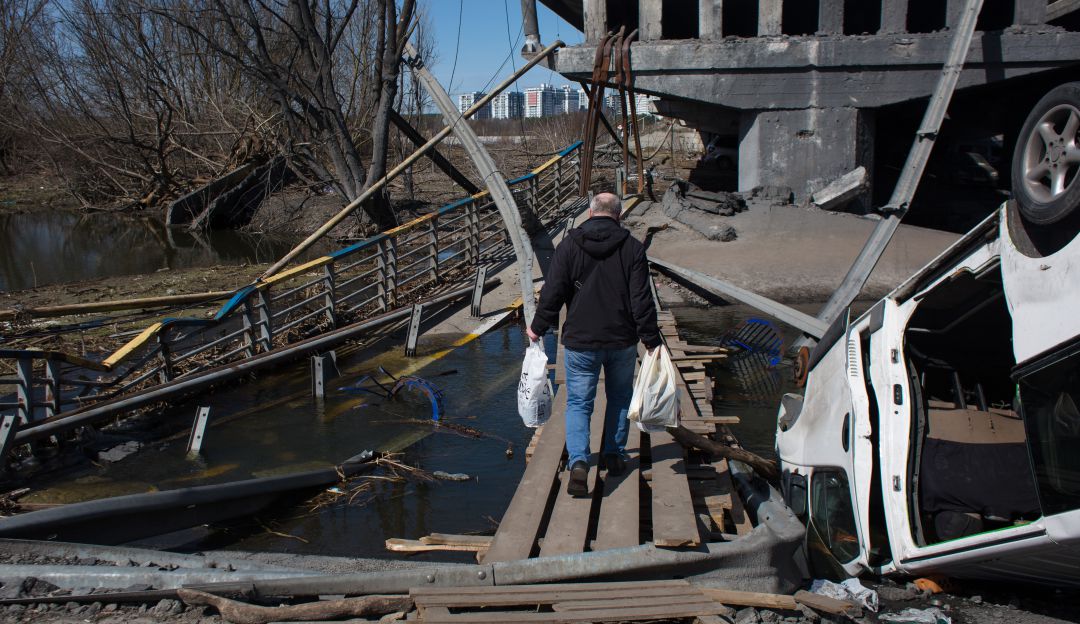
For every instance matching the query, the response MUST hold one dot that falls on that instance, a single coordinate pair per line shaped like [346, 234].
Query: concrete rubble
[702, 210]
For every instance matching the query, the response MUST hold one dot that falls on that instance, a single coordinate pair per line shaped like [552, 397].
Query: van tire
[1046, 160]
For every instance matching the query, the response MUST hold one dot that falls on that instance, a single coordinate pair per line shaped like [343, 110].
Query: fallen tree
[765, 467]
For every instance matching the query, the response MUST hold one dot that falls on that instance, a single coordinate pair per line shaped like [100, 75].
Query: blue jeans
[582, 374]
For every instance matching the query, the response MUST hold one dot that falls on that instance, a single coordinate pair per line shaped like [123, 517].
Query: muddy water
[50, 247]
[271, 426]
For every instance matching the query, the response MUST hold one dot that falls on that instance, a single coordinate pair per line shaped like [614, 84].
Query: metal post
[249, 329]
[473, 219]
[388, 247]
[265, 320]
[380, 262]
[318, 377]
[620, 182]
[493, 178]
[558, 183]
[52, 388]
[433, 254]
[166, 372]
[414, 330]
[198, 430]
[478, 291]
[7, 437]
[911, 173]
[330, 295]
[24, 392]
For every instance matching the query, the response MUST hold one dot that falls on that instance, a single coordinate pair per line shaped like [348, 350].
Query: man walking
[600, 272]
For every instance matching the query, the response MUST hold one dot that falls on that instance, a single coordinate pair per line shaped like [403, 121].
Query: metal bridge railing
[379, 274]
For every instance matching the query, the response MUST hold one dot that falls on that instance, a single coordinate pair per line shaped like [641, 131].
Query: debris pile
[701, 210]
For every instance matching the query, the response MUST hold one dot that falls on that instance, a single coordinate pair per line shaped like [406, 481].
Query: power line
[457, 46]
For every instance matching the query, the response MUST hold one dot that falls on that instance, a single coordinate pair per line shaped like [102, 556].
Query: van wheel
[1046, 161]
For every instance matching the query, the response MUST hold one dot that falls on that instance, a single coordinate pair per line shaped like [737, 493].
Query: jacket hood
[599, 237]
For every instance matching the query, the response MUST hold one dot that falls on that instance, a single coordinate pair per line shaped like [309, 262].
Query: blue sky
[484, 45]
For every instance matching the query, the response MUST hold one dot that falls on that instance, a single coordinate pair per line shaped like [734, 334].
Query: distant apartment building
[467, 100]
[567, 100]
[540, 101]
[508, 105]
[583, 99]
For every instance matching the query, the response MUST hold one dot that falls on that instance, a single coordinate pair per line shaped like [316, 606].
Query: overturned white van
[940, 430]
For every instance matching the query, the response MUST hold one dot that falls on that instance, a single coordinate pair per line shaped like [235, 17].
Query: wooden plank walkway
[568, 602]
[657, 499]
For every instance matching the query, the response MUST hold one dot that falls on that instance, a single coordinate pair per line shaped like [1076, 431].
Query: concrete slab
[789, 253]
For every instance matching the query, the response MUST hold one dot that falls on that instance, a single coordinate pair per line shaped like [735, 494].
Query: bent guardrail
[377, 275]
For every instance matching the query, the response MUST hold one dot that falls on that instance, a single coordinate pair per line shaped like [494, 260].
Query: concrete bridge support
[805, 149]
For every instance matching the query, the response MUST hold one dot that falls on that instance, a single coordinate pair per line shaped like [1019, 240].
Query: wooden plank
[541, 596]
[568, 528]
[827, 604]
[633, 603]
[520, 525]
[599, 615]
[751, 599]
[459, 540]
[396, 544]
[619, 523]
[485, 590]
[721, 420]
[674, 523]
[693, 376]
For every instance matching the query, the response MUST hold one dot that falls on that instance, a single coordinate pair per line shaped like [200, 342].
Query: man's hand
[650, 350]
[533, 337]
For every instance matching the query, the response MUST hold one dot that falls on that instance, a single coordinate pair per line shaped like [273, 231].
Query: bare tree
[20, 20]
[296, 52]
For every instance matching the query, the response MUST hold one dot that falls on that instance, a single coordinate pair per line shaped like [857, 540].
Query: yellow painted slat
[133, 344]
[284, 275]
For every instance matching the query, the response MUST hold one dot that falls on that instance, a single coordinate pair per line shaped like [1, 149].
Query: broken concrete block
[841, 190]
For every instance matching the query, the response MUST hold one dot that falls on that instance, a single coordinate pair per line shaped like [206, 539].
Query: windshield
[1050, 396]
[832, 515]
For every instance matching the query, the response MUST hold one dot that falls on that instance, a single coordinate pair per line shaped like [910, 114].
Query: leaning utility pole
[493, 178]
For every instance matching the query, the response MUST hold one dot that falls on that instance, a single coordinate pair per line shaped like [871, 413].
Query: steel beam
[799, 320]
[198, 430]
[495, 180]
[912, 172]
[440, 161]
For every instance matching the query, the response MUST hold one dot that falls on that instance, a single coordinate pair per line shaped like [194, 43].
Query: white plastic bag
[655, 403]
[534, 388]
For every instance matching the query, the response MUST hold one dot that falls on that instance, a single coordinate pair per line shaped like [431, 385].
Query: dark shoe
[579, 479]
[616, 465]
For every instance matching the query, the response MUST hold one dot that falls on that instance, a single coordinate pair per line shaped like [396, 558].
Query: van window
[1050, 397]
[832, 514]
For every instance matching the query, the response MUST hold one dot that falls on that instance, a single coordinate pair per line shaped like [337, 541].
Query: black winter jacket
[600, 272]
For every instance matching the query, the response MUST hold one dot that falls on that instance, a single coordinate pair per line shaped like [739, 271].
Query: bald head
[605, 205]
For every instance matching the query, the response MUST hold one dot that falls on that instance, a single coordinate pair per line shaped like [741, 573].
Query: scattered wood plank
[674, 523]
[826, 604]
[540, 595]
[459, 540]
[397, 544]
[750, 599]
[618, 525]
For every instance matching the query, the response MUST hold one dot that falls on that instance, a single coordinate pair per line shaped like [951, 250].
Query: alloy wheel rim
[1052, 155]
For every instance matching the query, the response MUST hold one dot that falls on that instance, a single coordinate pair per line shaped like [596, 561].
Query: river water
[49, 247]
[272, 426]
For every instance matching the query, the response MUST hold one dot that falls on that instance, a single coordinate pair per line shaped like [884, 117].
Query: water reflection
[51, 247]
